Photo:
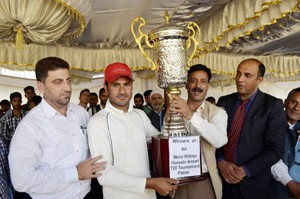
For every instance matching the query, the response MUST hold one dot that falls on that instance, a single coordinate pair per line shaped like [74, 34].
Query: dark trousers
[96, 190]
[95, 193]
[21, 195]
[279, 191]
[232, 192]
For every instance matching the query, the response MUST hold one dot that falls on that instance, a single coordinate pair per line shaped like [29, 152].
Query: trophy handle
[139, 38]
[195, 37]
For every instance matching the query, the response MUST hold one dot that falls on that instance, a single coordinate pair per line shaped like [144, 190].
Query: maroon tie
[235, 131]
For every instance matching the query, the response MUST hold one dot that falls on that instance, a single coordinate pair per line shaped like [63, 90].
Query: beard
[64, 101]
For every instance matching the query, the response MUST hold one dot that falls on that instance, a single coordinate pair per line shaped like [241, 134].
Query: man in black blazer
[157, 113]
[260, 140]
[94, 106]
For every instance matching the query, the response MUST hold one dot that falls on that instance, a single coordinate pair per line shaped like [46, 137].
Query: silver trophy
[170, 44]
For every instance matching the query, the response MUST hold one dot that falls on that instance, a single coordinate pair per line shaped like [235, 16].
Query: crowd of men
[64, 150]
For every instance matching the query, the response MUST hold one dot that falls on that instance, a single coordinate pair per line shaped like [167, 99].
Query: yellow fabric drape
[93, 61]
[239, 19]
[43, 21]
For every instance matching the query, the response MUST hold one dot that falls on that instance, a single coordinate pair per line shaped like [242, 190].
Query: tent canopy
[92, 34]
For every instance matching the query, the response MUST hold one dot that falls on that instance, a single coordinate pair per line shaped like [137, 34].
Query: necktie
[235, 131]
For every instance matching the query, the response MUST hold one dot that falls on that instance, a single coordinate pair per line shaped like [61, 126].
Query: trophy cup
[169, 44]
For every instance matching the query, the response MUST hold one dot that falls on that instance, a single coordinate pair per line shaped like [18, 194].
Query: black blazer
[154, 118]
[98, 108]
[261, 143]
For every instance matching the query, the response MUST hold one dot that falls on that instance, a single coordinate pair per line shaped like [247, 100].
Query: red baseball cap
[116, 70]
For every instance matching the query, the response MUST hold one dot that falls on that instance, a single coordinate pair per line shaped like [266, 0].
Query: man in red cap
[120, 133]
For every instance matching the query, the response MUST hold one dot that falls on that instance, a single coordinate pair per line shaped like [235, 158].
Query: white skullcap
[157, 91]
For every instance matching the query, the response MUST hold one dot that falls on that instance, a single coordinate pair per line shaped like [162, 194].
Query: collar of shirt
[112, 108]
[49, 111]
[159, 113]
[10, 114]
[294, 126]
[251, 98]
[101, 107]
[291, 126]
[201, 107]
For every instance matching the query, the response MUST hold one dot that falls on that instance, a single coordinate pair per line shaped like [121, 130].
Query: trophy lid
[169, 31]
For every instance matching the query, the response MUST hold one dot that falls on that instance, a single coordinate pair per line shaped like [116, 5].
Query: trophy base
[160, 154]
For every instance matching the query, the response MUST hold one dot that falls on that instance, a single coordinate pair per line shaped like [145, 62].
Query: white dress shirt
[45, 150]
[121, 138]
[214, 131]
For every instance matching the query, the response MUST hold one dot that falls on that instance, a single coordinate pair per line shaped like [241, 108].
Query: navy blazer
[280, 191]
[261, 143]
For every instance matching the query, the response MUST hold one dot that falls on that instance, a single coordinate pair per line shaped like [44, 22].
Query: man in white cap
[119, 132]
[157, 114]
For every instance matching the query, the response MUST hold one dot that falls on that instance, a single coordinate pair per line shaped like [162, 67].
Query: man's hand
[232, 173]
[90, 168]
[240, 171]
[162, 185]
[294, 187]
[181, 107]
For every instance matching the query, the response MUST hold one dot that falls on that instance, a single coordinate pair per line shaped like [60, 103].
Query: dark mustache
[197, 90]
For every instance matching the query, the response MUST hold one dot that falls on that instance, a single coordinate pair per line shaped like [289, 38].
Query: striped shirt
[9, 124]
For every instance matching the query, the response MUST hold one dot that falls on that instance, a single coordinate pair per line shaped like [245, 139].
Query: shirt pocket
[83, 138]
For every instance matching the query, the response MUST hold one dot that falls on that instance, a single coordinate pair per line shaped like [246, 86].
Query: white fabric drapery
[86, 62]
[239, 19]
[43, 21]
